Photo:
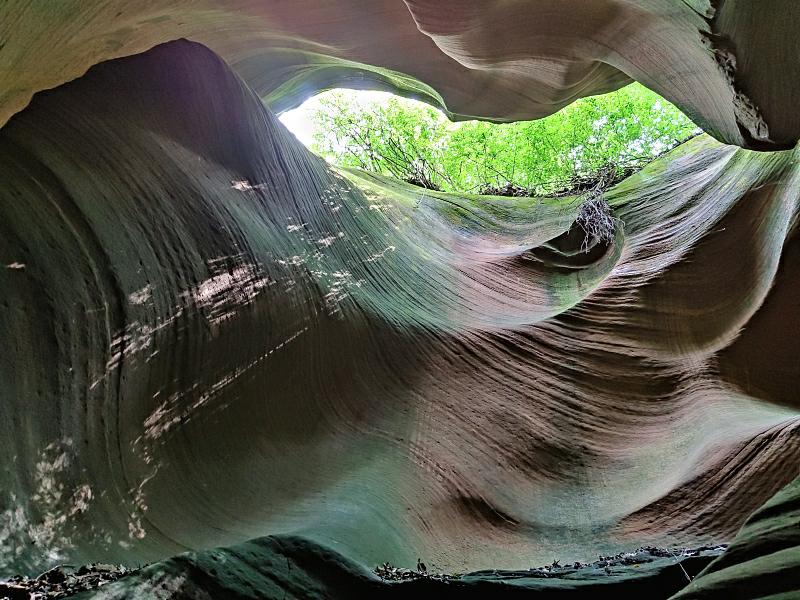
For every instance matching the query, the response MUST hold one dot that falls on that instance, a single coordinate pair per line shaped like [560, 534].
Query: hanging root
[596, 220]
[595, 216]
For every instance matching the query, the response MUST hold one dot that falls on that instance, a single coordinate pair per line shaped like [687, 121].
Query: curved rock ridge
[731, 66]
[763, 561]
[292, 567]
[213, 335]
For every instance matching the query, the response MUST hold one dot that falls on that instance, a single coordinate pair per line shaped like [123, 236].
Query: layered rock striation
[212, 335]
[729, 64]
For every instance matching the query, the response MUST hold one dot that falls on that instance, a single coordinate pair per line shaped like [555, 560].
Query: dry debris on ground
[388, 572]
[61, 582]
[605, 564]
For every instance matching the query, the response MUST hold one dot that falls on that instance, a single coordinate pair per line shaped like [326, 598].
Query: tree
[417, 143]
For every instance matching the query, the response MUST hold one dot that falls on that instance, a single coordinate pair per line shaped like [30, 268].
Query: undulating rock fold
[731, 65]
[763, 561]
[267, 375]
[287, 566]
[213, 336]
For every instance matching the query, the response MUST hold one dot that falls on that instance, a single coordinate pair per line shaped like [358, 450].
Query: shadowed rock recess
[214, 339]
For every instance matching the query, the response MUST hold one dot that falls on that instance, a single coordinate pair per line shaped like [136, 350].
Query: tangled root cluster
[597, 222]
[595, 216]
[509, 189]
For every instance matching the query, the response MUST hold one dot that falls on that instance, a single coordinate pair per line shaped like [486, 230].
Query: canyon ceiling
[212, 335]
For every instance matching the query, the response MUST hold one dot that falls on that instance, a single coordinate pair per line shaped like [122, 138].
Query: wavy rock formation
[763, 561]
[214, 336]
[729, 64]
[285, 566]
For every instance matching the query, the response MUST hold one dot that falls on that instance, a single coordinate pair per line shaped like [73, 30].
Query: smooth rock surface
[214, 336]
[730, 65]
[290, 567]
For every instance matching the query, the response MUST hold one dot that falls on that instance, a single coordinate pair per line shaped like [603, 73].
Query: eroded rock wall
[731, 66]
[214, 336]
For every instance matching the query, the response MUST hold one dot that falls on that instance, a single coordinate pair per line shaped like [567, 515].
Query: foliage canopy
[417, 143]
